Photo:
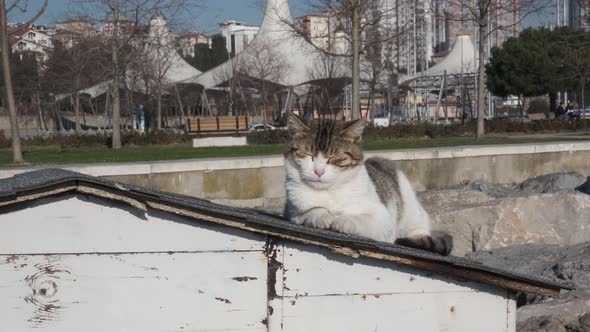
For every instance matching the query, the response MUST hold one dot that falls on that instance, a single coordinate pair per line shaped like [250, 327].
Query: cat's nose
[319, 172]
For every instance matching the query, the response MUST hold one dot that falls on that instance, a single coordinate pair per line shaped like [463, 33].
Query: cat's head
[324, 152]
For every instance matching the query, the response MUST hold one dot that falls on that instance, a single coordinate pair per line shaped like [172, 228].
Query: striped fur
[438, 242]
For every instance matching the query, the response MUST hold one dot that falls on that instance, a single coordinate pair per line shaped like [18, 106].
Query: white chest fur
[356, 197]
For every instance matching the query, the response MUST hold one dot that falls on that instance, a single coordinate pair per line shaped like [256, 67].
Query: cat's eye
[301, 153]
[337, 161]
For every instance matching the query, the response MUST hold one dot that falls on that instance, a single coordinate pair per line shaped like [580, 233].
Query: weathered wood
[134, 292]
[427, 312]
[88, 225]
[340, 293]
[313, 271]
[434, 267]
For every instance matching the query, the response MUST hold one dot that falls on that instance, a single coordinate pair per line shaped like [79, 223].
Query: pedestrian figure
[573, 112]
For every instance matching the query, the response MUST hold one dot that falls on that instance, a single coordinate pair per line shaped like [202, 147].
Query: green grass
[55, 155]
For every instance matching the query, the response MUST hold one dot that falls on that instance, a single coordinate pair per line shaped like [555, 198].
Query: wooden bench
[218, 125]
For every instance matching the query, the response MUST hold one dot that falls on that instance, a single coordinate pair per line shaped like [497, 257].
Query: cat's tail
[438, 242]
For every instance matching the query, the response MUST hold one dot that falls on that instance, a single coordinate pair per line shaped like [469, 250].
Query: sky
[205, 15]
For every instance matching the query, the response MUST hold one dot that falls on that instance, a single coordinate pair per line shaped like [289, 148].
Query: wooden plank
[352, 251]
[423, 312]
[318, 271]
[134, 292]
[78, 224]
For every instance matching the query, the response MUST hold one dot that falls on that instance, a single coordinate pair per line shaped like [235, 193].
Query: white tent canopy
[277, 34]
[461, 59]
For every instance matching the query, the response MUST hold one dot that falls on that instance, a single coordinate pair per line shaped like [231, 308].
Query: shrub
[278, 136]
[105, 139]
[538, 105]
[4, 142]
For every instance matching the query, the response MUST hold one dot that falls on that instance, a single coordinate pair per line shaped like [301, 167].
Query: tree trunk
[583, 101]
[481, 80]
[116, 99]
[552, 104]
[17, 155]
[159, 110]
[356, 69]
[77, 111]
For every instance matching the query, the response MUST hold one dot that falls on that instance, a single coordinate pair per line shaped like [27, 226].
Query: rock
[585, 322]
[585, 188]
[570, 264]
[552, 183]
[562, 315]
[479, 221]
[541, 324]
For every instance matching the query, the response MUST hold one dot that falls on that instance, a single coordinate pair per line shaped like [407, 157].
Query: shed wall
[75, 262]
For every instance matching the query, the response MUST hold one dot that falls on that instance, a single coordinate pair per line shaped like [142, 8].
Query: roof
[276, 33]
[460, 59]
[50, 182]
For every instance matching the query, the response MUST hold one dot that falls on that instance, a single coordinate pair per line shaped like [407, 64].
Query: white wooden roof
[35, 185]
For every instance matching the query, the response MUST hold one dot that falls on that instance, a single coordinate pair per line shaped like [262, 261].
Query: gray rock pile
[538, 227]
[570, 264]
[551, 209]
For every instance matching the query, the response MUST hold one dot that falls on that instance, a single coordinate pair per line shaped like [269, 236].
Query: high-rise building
[321, 29]
[579, 14]
[186, 43]
[424, 30]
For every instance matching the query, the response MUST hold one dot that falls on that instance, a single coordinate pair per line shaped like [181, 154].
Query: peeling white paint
[82, 263]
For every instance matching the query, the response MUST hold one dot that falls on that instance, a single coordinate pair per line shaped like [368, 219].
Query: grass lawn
[51, 155]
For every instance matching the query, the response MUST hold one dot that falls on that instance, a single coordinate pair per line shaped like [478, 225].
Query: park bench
[202, 126]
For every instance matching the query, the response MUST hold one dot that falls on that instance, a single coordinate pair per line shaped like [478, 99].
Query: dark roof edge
[60, 181]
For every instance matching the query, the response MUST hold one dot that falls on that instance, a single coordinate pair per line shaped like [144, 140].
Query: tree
[576, 62]
[541, 61]
[489, 16]
[357, 18]
[17, 154]
[124, 21]
[76, 62]
[261, 67]
[522, 67]
[207, 58]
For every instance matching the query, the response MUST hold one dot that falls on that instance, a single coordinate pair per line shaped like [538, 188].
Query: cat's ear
[353, 131]
[296, 124]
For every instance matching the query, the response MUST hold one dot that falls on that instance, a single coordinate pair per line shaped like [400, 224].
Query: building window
[31, 35]
[233, 45]
[21, 46]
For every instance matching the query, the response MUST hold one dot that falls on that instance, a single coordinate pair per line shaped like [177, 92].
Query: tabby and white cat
[330, 186]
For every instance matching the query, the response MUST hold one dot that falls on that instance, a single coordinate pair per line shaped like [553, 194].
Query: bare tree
[159, 59]
[261, 67]
[17, 154]
[123, 21]
[489, 17]
[357, 18]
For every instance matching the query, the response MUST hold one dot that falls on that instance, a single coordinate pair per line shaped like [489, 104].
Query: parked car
[261, 126]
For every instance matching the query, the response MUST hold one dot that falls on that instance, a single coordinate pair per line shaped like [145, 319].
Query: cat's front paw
[344, 224]
[317, 218]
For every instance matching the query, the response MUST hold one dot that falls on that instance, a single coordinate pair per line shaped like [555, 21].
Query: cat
[330, 185]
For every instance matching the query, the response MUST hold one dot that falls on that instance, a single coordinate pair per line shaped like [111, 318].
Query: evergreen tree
[219, 53]
[207, 58]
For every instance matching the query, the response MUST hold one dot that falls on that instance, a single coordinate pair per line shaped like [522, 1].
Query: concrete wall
[258, 181]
